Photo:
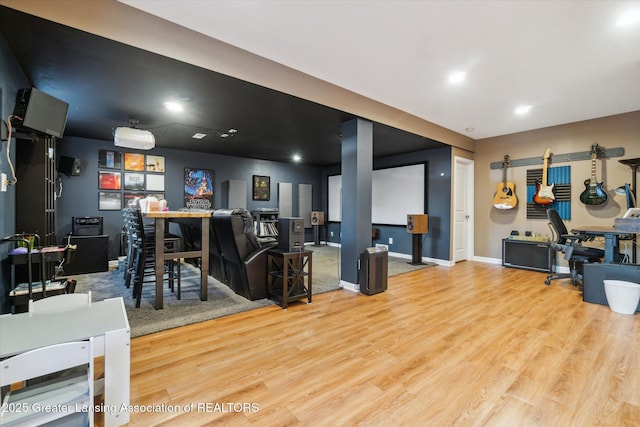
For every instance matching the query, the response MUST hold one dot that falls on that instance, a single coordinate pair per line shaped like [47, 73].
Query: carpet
[222, 301]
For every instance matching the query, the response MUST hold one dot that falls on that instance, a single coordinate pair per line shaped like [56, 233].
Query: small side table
[289, 276]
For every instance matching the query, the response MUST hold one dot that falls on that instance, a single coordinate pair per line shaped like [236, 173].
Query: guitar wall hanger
[562, 158]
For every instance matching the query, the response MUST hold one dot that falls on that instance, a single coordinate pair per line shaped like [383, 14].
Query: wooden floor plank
[473, 344]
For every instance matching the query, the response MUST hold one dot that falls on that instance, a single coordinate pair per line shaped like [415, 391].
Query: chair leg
[179, 278]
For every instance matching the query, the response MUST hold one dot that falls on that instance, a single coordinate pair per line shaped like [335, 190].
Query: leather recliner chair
[244, 255]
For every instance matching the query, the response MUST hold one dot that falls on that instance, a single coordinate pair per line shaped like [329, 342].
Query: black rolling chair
[571, 246]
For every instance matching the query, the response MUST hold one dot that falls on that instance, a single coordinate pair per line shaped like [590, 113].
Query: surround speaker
[69, 166]
[317, 218]
[417, 223]
[39, 112]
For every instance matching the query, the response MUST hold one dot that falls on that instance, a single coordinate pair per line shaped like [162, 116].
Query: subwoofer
[317, 218]
[417, 223]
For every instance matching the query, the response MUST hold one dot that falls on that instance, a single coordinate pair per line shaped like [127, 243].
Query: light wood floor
[474, 344]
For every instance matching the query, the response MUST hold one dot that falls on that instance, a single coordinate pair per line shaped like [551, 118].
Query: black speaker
[291, 234]
[69, 166]
[39, 112]
[86, 226]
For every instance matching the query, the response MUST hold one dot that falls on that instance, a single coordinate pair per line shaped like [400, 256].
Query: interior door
[462, 210]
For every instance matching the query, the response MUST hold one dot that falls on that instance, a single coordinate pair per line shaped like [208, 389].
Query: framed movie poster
[108, 159]
[133, 162]
[108, 201]
[132, 200]
[155, 182]
[198, 188]
[261, 187]
[109, 180]
[155, 163]
[134, 181]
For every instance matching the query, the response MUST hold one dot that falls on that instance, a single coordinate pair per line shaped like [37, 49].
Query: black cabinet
[528, 255]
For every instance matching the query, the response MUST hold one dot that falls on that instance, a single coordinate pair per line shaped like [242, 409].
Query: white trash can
[623, 297]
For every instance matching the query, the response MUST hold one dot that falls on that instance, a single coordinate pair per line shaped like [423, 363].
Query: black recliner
[571, 246]
[244, 255]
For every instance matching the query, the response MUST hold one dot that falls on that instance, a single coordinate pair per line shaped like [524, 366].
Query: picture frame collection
[124, 178]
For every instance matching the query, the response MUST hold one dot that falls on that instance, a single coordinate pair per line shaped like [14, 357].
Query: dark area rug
[222, 301]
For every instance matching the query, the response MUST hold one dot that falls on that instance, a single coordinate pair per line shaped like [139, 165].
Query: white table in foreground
[106, 321]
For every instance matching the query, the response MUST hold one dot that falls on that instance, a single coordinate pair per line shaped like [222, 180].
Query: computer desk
[106, 321]
[611, 239]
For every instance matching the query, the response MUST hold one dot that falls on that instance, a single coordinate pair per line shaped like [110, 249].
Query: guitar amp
[86, 226]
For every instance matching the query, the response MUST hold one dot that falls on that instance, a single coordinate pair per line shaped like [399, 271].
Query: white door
[463, 210]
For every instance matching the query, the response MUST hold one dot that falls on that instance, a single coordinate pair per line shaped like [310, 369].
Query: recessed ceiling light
[173, 106]
[523, 109]
[457, 77]
[232, 131]
[199, 135]
[297, 157]
[224, 135]
[470, 129]
[629, 18]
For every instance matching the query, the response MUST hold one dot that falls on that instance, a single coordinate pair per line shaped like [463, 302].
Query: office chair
[571, 246]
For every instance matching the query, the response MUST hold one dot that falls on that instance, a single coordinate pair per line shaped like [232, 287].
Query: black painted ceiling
[106, 83]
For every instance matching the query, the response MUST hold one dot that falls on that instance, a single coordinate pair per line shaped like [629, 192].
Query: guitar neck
[593, 169]
[544, 173]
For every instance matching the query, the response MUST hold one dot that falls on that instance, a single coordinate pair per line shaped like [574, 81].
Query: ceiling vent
[133, 138]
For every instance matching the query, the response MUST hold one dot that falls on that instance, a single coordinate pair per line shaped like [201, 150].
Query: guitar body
[544, 194]
[505, 197]
[593, 193]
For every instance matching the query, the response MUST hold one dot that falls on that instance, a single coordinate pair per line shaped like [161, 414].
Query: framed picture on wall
[109, 180]
[155, 182]
[155, 163]
[133, 181]
[133, 162]
[132, 199]
[261, 187]
[198, 188]
[108, 159]
[109, 201]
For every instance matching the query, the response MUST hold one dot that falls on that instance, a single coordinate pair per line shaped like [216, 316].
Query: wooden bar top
[179, 214]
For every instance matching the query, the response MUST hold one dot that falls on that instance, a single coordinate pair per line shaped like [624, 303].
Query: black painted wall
[80, 193]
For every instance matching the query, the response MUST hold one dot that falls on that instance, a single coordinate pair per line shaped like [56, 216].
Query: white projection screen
[396, 192]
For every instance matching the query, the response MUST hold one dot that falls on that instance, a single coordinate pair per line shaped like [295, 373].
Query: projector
[133, 138]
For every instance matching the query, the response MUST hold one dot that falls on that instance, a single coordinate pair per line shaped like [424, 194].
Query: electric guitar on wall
[544, 193]
[505, 196]
[593, 193]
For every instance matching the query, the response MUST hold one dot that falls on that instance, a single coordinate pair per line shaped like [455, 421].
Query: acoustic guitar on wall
[544, 192]
[505, 196]
[593, 193]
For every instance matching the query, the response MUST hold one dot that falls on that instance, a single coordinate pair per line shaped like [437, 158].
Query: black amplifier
[86, 226]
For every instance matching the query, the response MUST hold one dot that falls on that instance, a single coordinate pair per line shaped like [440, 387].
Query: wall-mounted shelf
[561, 158]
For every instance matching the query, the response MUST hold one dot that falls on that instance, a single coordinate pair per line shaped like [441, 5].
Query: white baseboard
[354, 287]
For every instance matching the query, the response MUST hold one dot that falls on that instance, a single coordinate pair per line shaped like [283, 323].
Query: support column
[357, 169]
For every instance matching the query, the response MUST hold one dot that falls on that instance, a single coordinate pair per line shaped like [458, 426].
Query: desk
[203, 253]
[106, 321]
[611, 238]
